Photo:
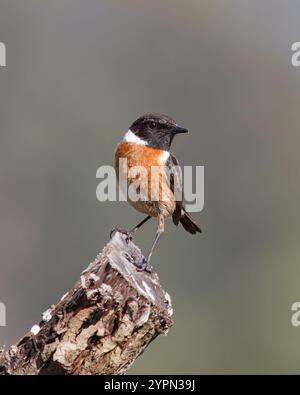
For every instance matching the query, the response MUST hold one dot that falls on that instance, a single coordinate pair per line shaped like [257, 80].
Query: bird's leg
[160, 229]
[131, 232]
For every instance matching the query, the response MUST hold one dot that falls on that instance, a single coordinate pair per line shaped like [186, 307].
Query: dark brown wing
[179, 215]
[175, 186]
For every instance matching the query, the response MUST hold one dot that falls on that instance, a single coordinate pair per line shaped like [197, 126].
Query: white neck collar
[130, 137]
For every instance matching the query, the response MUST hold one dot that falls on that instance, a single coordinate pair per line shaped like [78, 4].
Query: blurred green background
[78, 73]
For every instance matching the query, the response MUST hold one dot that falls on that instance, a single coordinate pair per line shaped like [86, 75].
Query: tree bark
[101, 325]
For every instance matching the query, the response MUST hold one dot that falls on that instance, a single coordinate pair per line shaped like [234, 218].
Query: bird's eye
[152, 125]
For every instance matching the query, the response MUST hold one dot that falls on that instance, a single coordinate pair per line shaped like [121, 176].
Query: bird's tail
[187, 222]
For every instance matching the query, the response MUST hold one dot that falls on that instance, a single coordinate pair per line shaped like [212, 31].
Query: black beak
[179, 129]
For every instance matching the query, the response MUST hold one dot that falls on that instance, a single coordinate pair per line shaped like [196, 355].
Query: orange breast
[148, 158]
[138, 155]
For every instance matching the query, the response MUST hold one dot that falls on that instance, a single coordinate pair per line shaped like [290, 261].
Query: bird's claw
[129, 235]
[145, 266]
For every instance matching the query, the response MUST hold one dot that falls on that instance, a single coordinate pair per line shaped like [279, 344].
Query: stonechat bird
[146, 146]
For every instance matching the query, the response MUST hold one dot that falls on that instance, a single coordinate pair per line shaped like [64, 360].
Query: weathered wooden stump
[101, 325]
